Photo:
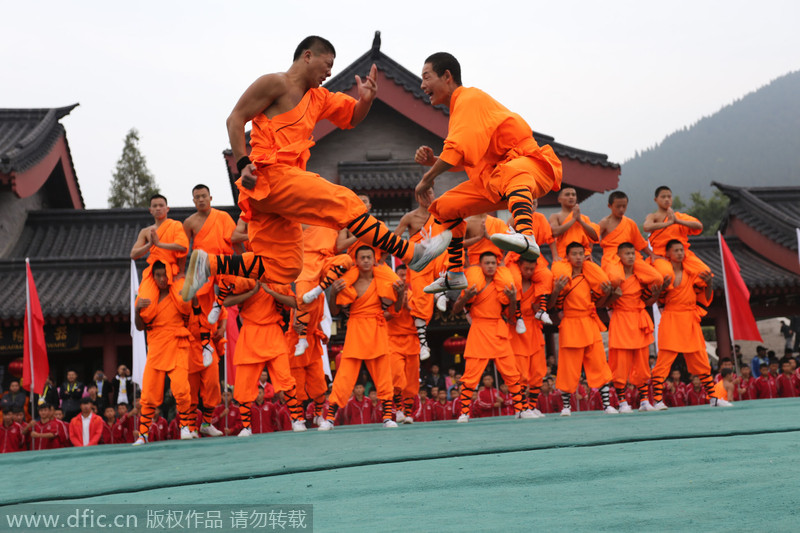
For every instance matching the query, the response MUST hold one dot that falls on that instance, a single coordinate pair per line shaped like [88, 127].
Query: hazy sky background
[611, 77]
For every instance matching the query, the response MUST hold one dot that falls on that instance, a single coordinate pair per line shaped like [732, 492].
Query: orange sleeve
[469, 131]
[338, 108]
[688, 218]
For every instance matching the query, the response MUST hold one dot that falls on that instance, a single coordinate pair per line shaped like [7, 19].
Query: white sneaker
[301, 347]
[646, 406]
[660, 406]
[447, 282]
[317, 420]
[196, 274]
[424, 352]
[312, 295]
[611, 410]
[246, 432]
[521, 326]
[543, 317]
[408, 420]
[208, 355]
[194, 434]
[299, 425]
[463, 419]
[213, 316]
[427, 250]
[140, 441]
[524, 245]
[326, 425]
[399, 416]
[538, 413]
[211, 431]
[389, 423]
[719, 402]
[624, 407]
[186, 433]
[527, 413]
[441, 302]
[566, 411]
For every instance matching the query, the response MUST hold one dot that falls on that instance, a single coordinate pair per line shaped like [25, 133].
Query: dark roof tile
[26, 135]
[379, 175]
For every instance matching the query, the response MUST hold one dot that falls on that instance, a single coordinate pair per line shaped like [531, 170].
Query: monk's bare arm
[650, 225]
[554, 251]
[344, 240]
[142, 244]
[236, 299]
[404, 224]
[467, 295]
[556, 225]
[603, 226]
[285, 300]
[367, 90]
[256, 98]
[589, 230]
[691, 224]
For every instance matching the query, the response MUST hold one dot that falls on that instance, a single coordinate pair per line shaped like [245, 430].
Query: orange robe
[420, 302]
[367, 340]
[626, 231]
[579, 340]
[493, 225]
[204, 381]
[285, 194]
[660, 237]
[169, 232]
[214, 236]
[630, 334]
[575, 233]
[404, 350]
[529, 347]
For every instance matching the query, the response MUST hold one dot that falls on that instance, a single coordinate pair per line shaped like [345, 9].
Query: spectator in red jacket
[358, 409]
[507, 409]
[764, 385]
[489, 400]
[675, 390]
[86, 428]
[109, 418]
[424, 411]
[264, 414]
[744, 387]
[696, 393]
[226, 416]
[269, 390]
[122, 431]
[159, 429]
[441, 407]
[174, 430]
[632, 396]
[18, 415]
[377, 407]
[11, 439]
[455, 403]
[785, 383]
[283, 416]
[579, 400]
[47, 433]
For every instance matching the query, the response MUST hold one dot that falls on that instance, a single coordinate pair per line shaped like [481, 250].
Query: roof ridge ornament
[376, 43]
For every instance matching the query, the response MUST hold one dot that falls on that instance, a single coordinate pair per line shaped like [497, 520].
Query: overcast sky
[611, 77]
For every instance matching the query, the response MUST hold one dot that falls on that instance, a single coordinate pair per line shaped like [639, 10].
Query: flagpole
[30, 328]
[727, 305]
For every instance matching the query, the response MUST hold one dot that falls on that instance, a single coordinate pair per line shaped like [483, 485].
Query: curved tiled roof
[26, 135]
[383, 175]
[772, 211]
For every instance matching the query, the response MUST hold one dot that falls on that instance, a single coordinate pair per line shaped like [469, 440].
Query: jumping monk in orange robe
[568, 226]
[679, 329]
[534, 284]
[261, 341]
[277, 194]
[505, 166]
[166, 241]
[665, 225]
[630, 331]
[491, 309]
[367, 337]
[403, 353]
[164, 319]
[209, 230]
[204, 361]
[579, 340]
[616, 229]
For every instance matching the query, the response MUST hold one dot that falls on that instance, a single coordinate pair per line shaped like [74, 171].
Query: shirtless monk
[166, 241]
[277, 194]
[665, 225]
[209, 230]
[505, 166]
[569, 226]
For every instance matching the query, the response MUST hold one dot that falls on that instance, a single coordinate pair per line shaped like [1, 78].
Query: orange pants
[506, 366]
[696, 363]
[593, 360]
[310, 380]
[532, 368]
[379, 369]
[405, 373]
[205, 384]
[646, 273]
[245, 386]
[629, 366]
[153, 395]
[420, 303]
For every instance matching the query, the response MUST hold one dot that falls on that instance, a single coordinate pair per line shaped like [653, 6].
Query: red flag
[36, 368]
[740, 316]
[232, 334]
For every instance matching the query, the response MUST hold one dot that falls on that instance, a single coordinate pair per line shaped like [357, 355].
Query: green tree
[709, 211]
[132, 184]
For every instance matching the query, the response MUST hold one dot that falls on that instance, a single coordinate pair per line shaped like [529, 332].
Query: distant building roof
[32, 144]
[362, 176]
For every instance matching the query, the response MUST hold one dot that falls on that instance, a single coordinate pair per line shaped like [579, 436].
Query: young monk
[403, 353]
[724, 389]
[277, 194]
[569, 225]
[165, 241]
[210, 230]
[477, 237]
[616, 229]
[533, 285]
[679, 329]
[367, 338]
[164, 318]
[204, 363]
[665, 225]
[505, 166]
[630, 331]
[491, 309]
[579, 340]
[261, 341]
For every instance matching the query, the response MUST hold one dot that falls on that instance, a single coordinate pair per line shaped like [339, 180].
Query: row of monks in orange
[507, 298]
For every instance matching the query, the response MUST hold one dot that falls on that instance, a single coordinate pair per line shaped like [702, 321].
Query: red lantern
[335, 349]
[455, 345]
[15, 368]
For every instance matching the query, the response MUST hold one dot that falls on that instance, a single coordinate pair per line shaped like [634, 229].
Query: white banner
[138, 343]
